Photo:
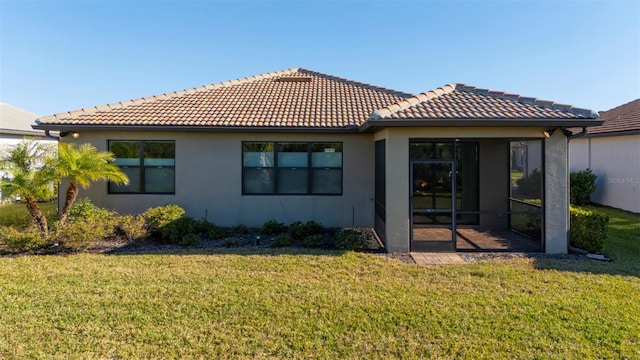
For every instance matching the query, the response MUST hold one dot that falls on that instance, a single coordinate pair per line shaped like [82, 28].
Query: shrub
[160, 216]
[582, 185]
[531, 185]
[351, 239]
[272, 227]
[588, 229]
[300, 231]
[132, 227]
[313, 241]
[176, 230]
[212, 231]
[189, 240]
[231, 242]
[282, 240]
[82, 233]
[241, 229]
[20, 241]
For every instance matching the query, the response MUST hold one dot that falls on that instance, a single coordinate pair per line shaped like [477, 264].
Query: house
[612, 152]
[430, 172]
[15, 125]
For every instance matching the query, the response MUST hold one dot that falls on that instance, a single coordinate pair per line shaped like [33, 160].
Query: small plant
[588, 229]
[212, 231]
[231, 242]
[582, 185]
[174, 231]
[82, 233]
[160, 216]
[282, 240]
[20, 241]
[300, 231]
[313, 241]
[189, 240]
[132, 227]
[351, 239]
[273, 227]
[241, 229]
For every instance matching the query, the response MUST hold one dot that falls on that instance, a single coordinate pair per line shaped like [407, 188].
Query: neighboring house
[427, 171]
[15, 125]
[612, 152]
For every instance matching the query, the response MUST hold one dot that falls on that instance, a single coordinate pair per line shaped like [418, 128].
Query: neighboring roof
[16, 121]
[460, 101]
[293, 98]
[307, 100]
[622, 119]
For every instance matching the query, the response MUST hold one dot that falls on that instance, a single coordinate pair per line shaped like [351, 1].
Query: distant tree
[30, 174]
[81, 165]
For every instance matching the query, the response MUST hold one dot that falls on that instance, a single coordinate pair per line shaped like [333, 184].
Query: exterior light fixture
[548, 133]
[75, 134]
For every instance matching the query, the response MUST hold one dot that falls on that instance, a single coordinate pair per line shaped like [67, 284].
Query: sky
[61, 56]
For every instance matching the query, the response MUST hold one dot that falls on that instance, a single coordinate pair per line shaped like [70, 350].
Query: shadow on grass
[581, 264]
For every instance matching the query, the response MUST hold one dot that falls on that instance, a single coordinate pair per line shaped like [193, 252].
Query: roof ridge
[445, 89]
[409, 102]
[620, 106]
[354, 82]
[587, 113]
[165, 96]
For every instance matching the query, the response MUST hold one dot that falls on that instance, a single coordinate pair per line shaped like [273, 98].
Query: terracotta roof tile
[460, 101]
[289, 98]
[623, 118]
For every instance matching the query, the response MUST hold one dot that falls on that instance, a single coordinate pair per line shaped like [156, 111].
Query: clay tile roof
[289, 98]
[624, 118]
[460, 101]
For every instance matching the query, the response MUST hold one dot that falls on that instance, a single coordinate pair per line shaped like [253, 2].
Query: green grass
[18, 216]
[247, 303]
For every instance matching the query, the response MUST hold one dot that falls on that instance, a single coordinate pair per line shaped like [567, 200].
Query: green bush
[272, 227]
[231, 242]
[300, 231]
[82, 233]
[588, 229]
[241, 229]
[282, 240]
[176, 230]
[189, 240]
[132, 227]
[20, 241]
[531, 185]
[212, 231]
[351, 239]
[582, 185]
[160, 216]
[313, 241]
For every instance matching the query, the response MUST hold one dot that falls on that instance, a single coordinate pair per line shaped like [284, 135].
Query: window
[291, 168]
[150, 166]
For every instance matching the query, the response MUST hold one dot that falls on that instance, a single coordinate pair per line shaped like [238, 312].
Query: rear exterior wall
[208, 180]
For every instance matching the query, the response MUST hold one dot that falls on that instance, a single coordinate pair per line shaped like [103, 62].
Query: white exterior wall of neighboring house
[208, 179]
[615, 159]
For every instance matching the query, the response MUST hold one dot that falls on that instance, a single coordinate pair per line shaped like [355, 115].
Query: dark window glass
[150, 166]
[291, 168]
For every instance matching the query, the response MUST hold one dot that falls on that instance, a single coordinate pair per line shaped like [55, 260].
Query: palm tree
[30, 173]
[82, 165]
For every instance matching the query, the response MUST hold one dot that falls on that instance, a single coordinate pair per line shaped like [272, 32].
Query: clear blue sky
[60, 56]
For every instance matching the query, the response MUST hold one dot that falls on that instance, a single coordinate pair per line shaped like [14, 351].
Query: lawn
[17, 214]
[287, 303]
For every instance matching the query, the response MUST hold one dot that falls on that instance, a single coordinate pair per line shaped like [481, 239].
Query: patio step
[438, 258]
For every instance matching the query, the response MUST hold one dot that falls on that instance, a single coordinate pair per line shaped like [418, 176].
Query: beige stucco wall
[208, 179]
[556, 194]
[397, 177]
[616, 162]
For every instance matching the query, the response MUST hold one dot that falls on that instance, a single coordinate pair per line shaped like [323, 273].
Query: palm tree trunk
[70, 198]
[37, 216]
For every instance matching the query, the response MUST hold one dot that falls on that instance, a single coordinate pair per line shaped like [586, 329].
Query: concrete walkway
[440, 258]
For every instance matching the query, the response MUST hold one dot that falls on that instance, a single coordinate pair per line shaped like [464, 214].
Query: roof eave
[373, 124]
[195, 128]
[22, 132]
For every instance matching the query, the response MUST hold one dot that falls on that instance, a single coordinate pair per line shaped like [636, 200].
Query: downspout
[48, 135]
